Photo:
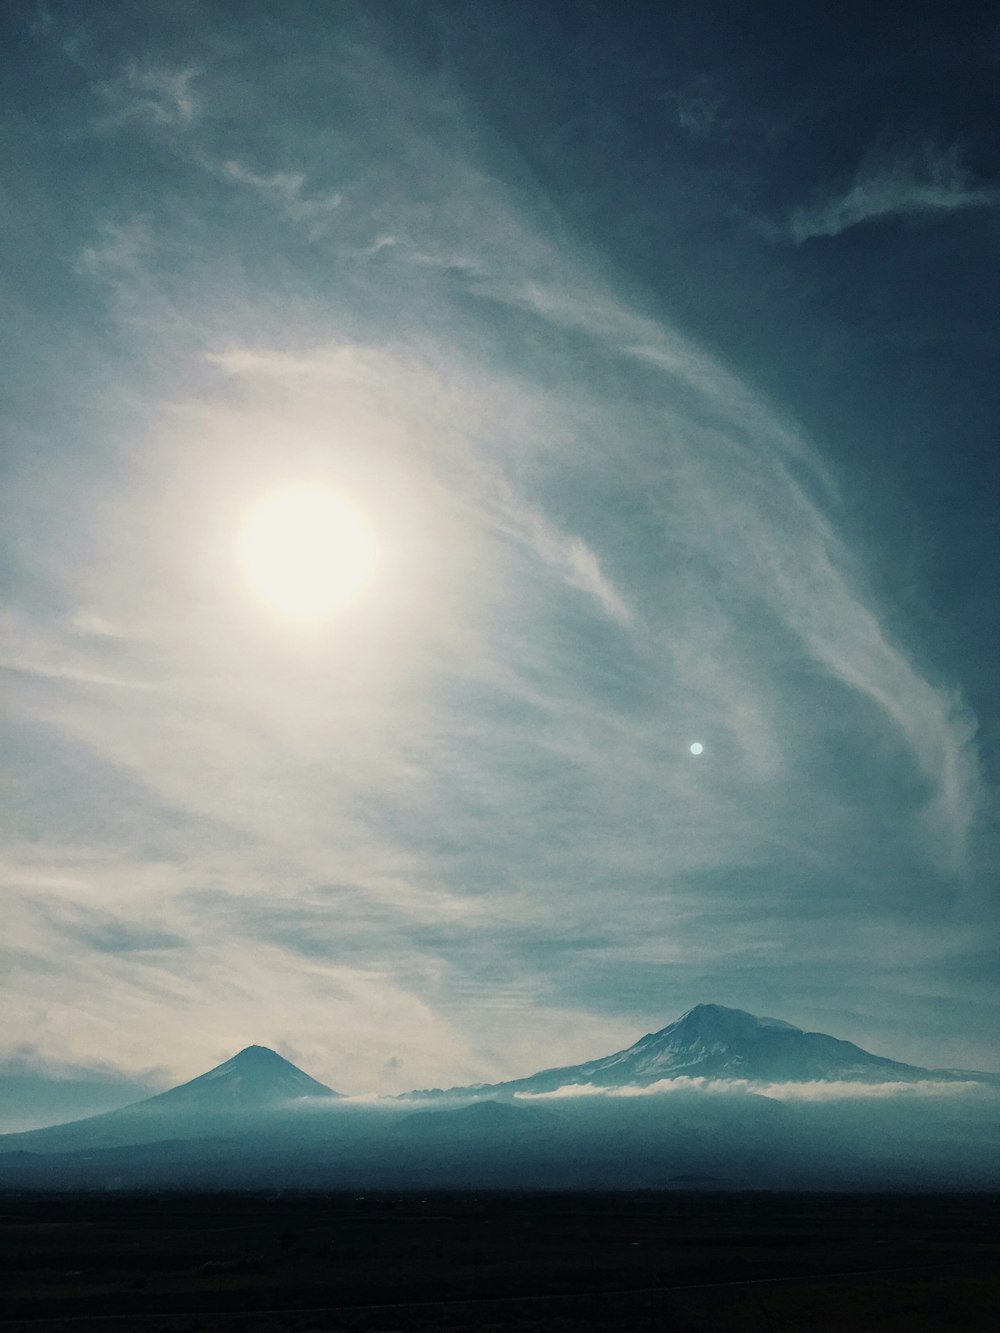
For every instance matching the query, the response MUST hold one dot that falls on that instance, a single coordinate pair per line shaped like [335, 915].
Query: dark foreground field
[673, 1261]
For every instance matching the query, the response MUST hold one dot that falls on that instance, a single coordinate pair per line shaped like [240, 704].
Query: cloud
[584, 572]
[380, 243]
[120, 249]
[846, 1090]
[925, 181]
[159, 94]
[566, 554]
[126, 260]
[511, 755]
[763, 500]
[36, 1091]
[571, 558]
[569, 1090]
[224, 989]
[700, 114]
[814, 1091]
[287, 189]
[110, 933]
[472, 798]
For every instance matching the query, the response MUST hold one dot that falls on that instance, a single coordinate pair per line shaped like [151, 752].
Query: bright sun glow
[307, 552]
[696, 747]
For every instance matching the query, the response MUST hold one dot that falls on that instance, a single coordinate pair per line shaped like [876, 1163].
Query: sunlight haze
[307, 552]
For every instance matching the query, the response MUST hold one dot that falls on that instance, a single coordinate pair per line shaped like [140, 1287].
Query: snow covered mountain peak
[712, 1041]
[718, 1021]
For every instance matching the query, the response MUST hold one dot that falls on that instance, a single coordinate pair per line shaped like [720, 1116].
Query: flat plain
[649, 1260]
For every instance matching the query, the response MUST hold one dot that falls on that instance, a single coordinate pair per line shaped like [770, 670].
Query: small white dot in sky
[697, 747]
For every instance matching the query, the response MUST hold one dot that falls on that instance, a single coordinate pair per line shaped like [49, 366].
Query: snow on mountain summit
[713, 1041]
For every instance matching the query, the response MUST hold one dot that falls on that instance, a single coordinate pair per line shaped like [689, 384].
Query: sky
[656, 343]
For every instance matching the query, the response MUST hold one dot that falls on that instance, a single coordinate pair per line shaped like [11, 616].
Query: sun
[307, 552]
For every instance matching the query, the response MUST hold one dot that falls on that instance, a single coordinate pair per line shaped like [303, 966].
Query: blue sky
[657, 343]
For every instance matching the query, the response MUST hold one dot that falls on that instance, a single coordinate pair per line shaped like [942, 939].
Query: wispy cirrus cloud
[473, 798]
[36, 1090]
[700, 112]
[119, 249]
[288, 189]
[760, 478]
[921, 181]
[160, 94]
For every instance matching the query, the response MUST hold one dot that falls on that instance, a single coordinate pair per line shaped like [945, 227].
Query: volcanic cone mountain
[254, 1084]
[255, 1078]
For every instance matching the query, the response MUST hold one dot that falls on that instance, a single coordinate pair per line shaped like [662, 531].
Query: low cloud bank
[815, 1091]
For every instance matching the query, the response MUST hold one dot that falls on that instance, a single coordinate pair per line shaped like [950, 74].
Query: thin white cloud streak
[568, 556]
[77, 652]
[160, 94]
[924, 181]
[848, 1090]
[120, 250]
[23, 667]
[813, 1091]
[125, 261]
[288, 189]
[584, 572]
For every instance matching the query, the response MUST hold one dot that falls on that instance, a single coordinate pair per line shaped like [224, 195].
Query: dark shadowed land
[501, 1260]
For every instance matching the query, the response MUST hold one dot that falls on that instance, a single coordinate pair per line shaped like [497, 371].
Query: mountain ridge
[708, 1042]
[257, 1122]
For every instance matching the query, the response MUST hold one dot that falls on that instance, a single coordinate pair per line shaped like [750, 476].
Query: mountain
[255, 1078]
[258, 1122]
[711, 1041]
[256, 1083]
